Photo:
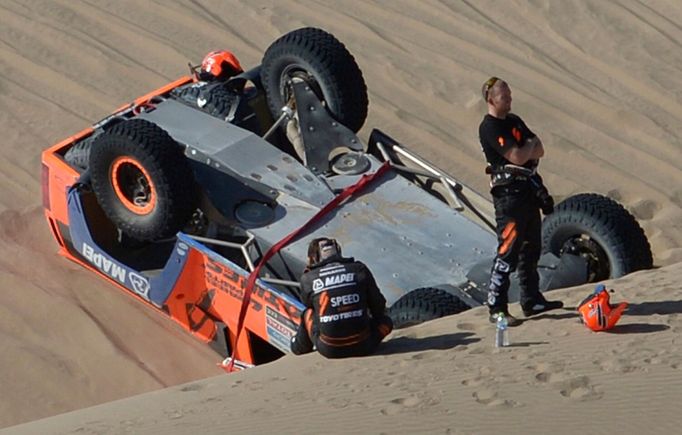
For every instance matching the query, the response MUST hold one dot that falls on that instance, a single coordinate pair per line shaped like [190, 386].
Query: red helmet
[221, 64]
[597, 313]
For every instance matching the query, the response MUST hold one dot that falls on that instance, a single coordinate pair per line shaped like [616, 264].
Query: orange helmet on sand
[220, 64]
[597, 313]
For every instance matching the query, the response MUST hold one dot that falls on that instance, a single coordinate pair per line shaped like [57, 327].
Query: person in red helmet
[345, 311]
[219, 65]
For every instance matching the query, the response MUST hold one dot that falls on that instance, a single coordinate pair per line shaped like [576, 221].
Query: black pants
[307, 336]
[519, 229]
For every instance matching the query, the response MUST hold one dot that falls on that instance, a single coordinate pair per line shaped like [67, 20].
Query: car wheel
[324, 63]
[602, 231]
[142, 180]
[214, 99]
[424, 304]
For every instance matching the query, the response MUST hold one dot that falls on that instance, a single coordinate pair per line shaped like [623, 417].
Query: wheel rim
[598, 265]
[133, 186]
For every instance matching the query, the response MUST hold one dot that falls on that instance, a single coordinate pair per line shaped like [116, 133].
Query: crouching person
[345, 314]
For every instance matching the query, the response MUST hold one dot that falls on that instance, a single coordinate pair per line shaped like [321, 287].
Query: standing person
[512, 151]
[345, 314]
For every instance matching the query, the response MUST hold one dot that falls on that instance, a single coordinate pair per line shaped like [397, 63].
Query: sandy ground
[443, 377]
[599, 82]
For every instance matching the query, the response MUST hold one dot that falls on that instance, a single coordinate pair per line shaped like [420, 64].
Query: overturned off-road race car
[227, 174]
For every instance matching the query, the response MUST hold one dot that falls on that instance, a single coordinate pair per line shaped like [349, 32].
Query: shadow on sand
[528, 343]
[643, 309]
[441, 342]
[553, 315]
[637, 328]
[649, 308]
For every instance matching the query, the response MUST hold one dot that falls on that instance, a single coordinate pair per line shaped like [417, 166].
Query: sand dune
[599, 82]
[443, 377]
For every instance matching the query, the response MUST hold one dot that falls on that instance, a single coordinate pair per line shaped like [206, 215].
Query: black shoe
[540, 307]
[511, 320]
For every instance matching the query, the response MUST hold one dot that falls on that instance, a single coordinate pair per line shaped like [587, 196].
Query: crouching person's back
[345, 311]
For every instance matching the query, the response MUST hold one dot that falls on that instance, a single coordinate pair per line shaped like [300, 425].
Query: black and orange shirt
[342, 293]
[499, 135]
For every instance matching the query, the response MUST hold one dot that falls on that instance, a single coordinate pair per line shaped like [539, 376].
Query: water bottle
[501, 331]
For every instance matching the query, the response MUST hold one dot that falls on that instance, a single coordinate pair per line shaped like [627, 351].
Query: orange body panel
[208, 291]
[60, 177]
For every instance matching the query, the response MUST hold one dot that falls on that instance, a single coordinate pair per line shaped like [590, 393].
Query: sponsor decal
[279, 317]
[502, 266]
[182, 249]
[271, 323]
[330, 270]
[349, 299]
[279, 329]
[277, 339]
[140, 284]
[221, 278]
[341, 316]
[336, 280]
[104, 264]
[517, 134]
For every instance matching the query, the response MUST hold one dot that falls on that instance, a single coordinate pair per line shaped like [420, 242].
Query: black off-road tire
[325, 64]
[137, 158]
[600, 229]
[218, 100]
[424, 304]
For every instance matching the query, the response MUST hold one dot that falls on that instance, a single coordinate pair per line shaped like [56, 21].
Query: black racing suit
[517, 215]
[345, 314]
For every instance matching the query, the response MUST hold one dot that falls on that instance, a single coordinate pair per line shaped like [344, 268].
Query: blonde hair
[488, 85]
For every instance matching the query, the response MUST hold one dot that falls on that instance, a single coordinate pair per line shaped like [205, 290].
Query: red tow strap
[345, 194]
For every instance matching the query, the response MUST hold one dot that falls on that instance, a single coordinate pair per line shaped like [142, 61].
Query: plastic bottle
[501, 331]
